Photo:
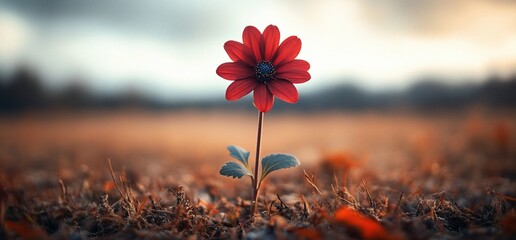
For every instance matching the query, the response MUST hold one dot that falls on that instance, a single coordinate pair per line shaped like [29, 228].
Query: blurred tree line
[24, 91]
[425, 94]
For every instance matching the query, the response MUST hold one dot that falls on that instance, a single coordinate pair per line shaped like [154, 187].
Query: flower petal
[238, 52]
[288, 50]
[284, 90]
[294, 76]
[271, 37]
[234, 71]
[251, 37]
[240, 88]
[294, 64]
[263, 98]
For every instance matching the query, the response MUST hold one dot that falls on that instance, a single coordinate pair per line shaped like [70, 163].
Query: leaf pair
[270, 163]
[233, 169]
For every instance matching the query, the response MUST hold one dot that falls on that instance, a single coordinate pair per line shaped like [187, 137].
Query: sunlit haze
[170, 49]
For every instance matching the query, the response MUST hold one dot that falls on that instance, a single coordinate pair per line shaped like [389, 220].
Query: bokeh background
[167, 51]
[135, 81]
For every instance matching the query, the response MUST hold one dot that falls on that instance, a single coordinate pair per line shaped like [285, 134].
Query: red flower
[265, 66]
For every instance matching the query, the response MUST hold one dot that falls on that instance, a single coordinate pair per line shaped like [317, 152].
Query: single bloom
[263, 65]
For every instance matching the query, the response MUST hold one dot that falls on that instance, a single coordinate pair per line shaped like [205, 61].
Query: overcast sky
[170, 49]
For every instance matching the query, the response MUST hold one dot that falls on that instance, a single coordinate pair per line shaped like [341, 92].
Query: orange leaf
[26, 230]
[340, 160]
[108, 186]
[307, 233]
[360, 225]
[508, 223]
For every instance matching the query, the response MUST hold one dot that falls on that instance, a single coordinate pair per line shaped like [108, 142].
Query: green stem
[256, 163]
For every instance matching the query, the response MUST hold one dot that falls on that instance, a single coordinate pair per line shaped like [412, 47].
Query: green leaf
[240, 154]
[235, 170]
[278, 161]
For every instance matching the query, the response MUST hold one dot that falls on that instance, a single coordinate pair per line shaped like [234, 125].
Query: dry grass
[366, 176]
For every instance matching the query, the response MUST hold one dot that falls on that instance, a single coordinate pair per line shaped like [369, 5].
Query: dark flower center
[265, 71]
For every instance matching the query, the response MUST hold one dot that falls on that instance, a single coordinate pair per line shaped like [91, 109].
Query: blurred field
[177, 139]
[465, 158]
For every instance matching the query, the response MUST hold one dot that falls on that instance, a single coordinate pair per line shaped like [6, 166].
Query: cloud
[441, 17]
[15, 35]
